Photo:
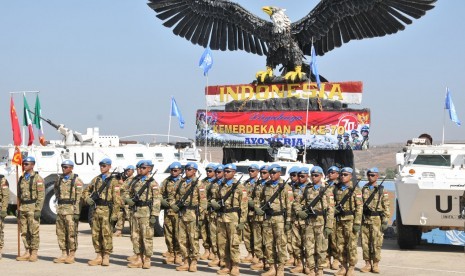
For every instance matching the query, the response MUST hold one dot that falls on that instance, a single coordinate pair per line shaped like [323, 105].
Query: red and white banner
[345, 92]
[325, 129]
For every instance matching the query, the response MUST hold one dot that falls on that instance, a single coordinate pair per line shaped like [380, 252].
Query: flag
[176, 112]
[28, 122]
[38, 122]
[206, 61]
[17, 157]
[15, 124]
[450, 105]
[314, 67]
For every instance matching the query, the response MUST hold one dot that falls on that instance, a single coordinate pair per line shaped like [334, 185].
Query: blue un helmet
[145, 163]
[354, 131]
[219, 168]
[348, 170]
[211, 166]
[230, 167]
[365, 129]
[373, 170]
[346, 135]
[274, 168]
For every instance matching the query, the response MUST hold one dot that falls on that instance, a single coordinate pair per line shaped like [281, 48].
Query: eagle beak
[268, 10]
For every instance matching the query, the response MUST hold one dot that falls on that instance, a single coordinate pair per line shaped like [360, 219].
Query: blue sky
[113, 65]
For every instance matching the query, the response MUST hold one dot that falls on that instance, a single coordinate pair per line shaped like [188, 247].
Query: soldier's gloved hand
[240, 227]
[287, 226]
[327, 231]
[251, 203]
[302, 214]
[174, 207]
[3, 214]
[384, 226]
[152, 221]
[76, 217]
[89, 201]
[356, 228]
[209, 204]
[129, 202]
[259, 211]
[164, 203]
[37, 215]
[215, 205]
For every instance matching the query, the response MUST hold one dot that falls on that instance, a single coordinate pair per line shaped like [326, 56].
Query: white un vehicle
[430, 185]
[86, 150]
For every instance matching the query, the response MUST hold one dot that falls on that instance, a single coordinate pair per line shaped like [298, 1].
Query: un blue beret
[274, 168]
[317, 169]
[294, 169]
[302, 170]
[333, 169]
[192, 165]
[347, 169]
[130, 167]
[219, 168]
[105, 161]
[67, 162]
[254, 166]
[373, 170]
[175, 165]
[230, 166]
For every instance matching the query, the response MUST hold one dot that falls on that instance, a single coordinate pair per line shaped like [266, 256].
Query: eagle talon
[295, 75]
[262, 75]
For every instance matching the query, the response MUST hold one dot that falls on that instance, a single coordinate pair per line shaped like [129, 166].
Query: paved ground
[426, 260]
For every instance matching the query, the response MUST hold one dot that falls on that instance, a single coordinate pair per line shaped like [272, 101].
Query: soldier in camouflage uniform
[191, 201]
[231, 206]
[105, 187]
[143, 197]
[31, 198]
[291, 243]
[68, 192]
[4, 199]
[170, 224]
[203, 220]
[348, 221]
[277, 220]
[332, 180]
[376, 214]
[124, 213]
[259, 260]
[247, 234]
[213, 216]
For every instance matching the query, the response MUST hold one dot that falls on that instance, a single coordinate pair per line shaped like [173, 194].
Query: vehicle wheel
[158, 228]
[49, 211]
[408, 236]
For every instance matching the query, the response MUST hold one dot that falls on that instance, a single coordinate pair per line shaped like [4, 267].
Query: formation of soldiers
[310, 221]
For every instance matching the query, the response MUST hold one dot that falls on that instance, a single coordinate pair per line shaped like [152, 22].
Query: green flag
[38, 122]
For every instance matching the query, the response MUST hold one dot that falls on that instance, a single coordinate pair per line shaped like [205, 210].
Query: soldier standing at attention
[204, 216]
[144, 198]
[376, 214]
[247, 234]
[102, 193]
[123, 213]
[212, 191]
[231, 206]
[191, 200]
[170, 224]
[331, 241]
[68, 192]
[31, 197]
[291, 244]
[277, 198]
[4, 199]
[348, 213]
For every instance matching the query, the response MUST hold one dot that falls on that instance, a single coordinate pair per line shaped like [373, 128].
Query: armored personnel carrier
[430, 185]
[86, 150]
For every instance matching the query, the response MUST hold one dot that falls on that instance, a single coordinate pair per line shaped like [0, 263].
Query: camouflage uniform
[68, 192]
[298, 225]
[259, 247]
[345, 221]
[147, 206]
[124, 212]
[170, 224]
[376, 213]
[4, 199]
[31, 197]
[204, 227]
[212, 189]
[247, 233]
[195, 204]
[233, 213]
[330, 241]
[107, 207]
[274, 237]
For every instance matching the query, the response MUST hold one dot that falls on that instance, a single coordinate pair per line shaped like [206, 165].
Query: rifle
[339, 208]
[309, 208]
[136, 197]
[366, 210]
[267, 206]
[95, 195]
[226, 196]
[181, 203]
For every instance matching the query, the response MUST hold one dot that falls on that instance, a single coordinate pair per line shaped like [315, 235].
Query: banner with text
[325, 129]
[345, 92]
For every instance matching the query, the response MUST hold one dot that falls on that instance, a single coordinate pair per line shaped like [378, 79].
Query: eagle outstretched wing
[334, 22]
[220, 24]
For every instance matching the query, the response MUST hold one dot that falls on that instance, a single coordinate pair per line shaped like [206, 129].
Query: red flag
[17, 157]
[15, 124]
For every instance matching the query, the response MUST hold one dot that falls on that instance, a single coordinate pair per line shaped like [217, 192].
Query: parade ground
[427, 259]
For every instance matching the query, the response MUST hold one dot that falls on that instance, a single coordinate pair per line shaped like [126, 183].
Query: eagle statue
[224, 25]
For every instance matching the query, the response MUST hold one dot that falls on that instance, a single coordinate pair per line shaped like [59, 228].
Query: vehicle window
[243, 169]
[139, 155]
[119, 155]
[47, 153]
[158, 155]
[433, 160]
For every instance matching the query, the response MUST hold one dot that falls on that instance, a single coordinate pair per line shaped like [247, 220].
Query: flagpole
[306, 116]
[18, 205]
[206, 121]
[444, 120]
[169, 121]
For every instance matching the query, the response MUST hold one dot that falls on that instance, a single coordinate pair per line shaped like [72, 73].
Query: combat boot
[335, 265]
[256, 260]
[367, 267]
[375, 267]
[280, 271]
[34, 257]
[169, 260]
[290, 262]
[205, 254]
[70, 258]
[147, 262]
[96, 261]
[215, 262]
[178, 259]
[234, 270]
[319, 272]
[351, 271]
[136, 263]
[342, 271]
[117, 233]
[184, 266]
[132, 258]
[299, 268]
[62, 258]
[106, 259]
[327, 263]
[0, 253]
[211, 256]
[270, 272]
[310, 271]
[258, 266]
[24, 257]
[225, 270]
[166, 254]
[193, 266]
[248, 259]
